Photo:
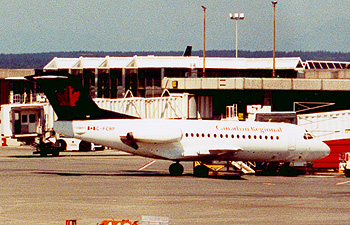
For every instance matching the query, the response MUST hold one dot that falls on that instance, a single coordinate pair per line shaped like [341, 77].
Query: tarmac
[90, 187]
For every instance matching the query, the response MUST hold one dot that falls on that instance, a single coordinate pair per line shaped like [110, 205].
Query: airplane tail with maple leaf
[70, 100]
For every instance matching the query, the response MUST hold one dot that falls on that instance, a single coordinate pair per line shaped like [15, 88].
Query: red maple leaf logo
[68, 97]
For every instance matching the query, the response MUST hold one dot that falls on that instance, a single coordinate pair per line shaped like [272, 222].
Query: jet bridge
[169, 105]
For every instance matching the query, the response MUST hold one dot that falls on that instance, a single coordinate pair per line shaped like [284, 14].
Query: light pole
[204, 9]
[236, 16]
[274, 40]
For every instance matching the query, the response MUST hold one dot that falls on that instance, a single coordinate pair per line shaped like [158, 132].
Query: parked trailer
[334, 129]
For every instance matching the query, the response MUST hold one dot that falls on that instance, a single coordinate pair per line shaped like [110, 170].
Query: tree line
[39, 60]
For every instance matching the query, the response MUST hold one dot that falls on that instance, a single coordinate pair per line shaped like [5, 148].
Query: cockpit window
[308, 136]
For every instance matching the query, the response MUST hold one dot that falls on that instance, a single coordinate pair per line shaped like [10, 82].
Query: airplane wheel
[44, 149]
[84, 146]
[56, 151]
[43, 153]
[62, 145]
[200, 171]
[176, 169]
[286, 170]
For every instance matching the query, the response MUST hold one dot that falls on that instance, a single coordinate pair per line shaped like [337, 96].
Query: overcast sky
[35, 26]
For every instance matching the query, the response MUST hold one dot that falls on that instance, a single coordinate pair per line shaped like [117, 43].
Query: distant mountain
[39, 60]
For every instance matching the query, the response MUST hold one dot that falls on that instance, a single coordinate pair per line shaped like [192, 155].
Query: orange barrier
[71, 222]
[3, 142]
[120, 222]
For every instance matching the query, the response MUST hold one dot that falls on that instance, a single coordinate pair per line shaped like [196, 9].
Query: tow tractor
[49, 144]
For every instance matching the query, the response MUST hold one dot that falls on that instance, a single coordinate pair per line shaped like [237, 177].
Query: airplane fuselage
[184, 140]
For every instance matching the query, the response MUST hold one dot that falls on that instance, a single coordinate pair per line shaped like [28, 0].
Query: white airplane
[172, 139]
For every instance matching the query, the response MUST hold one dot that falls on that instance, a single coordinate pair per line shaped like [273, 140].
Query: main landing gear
[200, 170]
[176, 169]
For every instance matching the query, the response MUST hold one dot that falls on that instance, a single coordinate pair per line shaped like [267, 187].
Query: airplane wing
[158, 135]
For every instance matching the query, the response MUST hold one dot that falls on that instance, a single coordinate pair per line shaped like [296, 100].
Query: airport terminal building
[181, 87]
[226, 81]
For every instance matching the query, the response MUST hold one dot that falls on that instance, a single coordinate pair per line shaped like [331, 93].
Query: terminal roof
[192, 62]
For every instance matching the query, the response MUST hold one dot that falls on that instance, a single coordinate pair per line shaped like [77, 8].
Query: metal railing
[26, 98]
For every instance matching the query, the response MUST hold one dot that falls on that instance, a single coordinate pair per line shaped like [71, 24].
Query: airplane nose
[324, 148]
[318, 150]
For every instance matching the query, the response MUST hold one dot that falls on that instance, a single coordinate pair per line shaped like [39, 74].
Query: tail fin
[70, 100]
[188, 51]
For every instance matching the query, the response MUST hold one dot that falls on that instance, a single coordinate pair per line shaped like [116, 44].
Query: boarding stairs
[244, 167]
[217, 167]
